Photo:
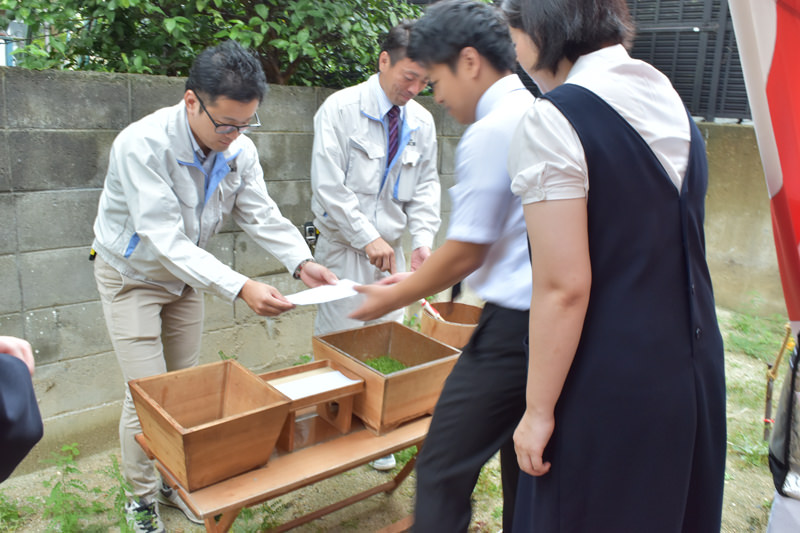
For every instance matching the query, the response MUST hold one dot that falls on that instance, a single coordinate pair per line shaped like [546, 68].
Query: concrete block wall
[57, 128]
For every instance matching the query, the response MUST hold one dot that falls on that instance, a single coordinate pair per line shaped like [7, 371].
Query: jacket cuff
[422, 239]
[365, 237]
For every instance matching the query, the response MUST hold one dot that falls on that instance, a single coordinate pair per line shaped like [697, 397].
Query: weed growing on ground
[261, 518]
[118, 494]
[303, 359]
[70, 504]
[12, 513]
[224, 357]
[752, 449]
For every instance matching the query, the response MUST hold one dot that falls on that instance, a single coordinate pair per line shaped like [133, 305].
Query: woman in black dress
[624, 429]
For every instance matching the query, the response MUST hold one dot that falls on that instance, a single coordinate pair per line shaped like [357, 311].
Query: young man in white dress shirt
[467, 49]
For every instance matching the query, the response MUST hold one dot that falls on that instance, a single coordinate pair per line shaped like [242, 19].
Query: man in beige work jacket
[373, 174]
[172, 176]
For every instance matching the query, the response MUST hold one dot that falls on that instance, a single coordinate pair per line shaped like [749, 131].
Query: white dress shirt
[484, 210]
[547, 161]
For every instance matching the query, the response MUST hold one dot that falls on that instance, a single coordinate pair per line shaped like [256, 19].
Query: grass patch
[751, 448]
[758, 337]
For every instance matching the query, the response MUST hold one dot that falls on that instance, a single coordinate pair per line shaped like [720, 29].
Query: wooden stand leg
[339, 417]
[387, 488]
[222, 525]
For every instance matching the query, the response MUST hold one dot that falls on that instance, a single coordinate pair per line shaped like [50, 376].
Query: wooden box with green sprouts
[403, 370]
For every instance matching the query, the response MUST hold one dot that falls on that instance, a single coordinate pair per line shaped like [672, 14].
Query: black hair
[449, 26]
[570, 28]
[395, 41]
[228, 70]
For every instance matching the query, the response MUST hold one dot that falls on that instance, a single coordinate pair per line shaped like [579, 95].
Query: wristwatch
[296, 274]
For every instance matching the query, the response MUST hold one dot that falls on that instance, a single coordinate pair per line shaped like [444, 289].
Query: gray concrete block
[221, 246]
[253, 261]
[44, 160]
[293, 199]
[41, 330]
[322, 94]
[434, 109]
[218, 313]
[83, 329]
[65, 99]
[254, 345]
[447, 156]
[3, 71]
[740, 246]
[284, 156]
[288, 109]
[11, 325]
[8, 221]
[274, 342]
[223, 340]
[56, 219]
[5, 163]
[67, 332]
[78, 384]
[150, 93]
[10, 288]
[447, 126]
[94, 430]
[56, 277]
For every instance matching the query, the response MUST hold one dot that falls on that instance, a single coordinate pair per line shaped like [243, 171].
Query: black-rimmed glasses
[227, 128]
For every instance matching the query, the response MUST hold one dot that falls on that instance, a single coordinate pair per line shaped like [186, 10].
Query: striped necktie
[393, 115]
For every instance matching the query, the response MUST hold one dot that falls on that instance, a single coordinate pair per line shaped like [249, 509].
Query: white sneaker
[169, 497]
[143, 517]
[384, 463]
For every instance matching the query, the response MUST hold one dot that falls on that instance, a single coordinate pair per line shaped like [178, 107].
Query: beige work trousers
[152, 331]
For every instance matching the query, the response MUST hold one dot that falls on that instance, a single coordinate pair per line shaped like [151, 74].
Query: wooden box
[459, 320]
[321, 395]
[209, 422]
[389, 400]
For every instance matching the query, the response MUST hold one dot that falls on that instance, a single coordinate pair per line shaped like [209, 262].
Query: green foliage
[117, 493]
[328, 43]
[261, 518]
[404, 456]
[67, 504]
[224, 357]
[303, 359]
[412, 322]
[12, 514]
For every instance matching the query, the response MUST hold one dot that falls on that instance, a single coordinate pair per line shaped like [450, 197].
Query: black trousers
[482, 401]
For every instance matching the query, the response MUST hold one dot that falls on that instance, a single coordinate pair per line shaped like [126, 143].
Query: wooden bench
[220, 503]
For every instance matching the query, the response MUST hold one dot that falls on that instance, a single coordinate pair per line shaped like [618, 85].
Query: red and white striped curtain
[768, 36]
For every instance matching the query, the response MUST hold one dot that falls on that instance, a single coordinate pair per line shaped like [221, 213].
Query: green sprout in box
[384, 364]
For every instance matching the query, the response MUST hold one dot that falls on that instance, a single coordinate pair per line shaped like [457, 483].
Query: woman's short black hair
[448, 26]
[570, 28]
[228, 70]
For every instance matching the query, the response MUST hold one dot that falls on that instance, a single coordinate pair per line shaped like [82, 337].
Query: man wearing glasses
[171, 177]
